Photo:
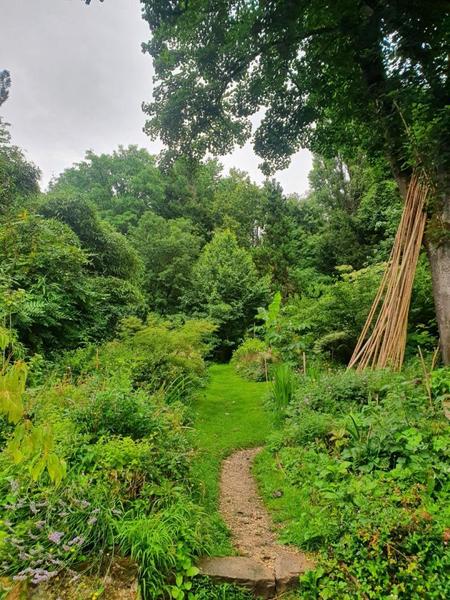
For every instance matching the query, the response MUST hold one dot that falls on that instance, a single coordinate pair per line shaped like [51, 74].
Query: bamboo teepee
[383, 339]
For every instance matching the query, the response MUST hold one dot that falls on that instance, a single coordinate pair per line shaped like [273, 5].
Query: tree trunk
[438, 248]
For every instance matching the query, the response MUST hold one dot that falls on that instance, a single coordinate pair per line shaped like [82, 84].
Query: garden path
[232, 424]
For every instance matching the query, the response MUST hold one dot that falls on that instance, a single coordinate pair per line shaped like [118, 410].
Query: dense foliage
[346, 79]
[118, 416]
[361, 468]
[101, 278]
[121, 282]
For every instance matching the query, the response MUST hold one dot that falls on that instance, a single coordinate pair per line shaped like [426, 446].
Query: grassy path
[228, 415]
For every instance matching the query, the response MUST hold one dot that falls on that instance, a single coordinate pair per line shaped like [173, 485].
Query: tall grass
[285, 383]
[163, 544]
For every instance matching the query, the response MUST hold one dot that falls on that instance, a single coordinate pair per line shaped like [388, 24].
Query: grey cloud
[78, 80]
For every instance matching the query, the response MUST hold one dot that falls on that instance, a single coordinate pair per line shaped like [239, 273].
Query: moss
[437, 230]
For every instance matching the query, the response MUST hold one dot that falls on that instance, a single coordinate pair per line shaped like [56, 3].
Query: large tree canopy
[328, 76]
[122, 185]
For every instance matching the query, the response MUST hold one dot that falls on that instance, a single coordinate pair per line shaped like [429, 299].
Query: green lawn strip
[229, 414]
[290, 506]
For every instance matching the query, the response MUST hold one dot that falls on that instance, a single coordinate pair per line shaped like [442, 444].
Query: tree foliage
[19, 178]
[110, 252]
[226, 287]
[122, 185]
[169, 249]
[5, 84]
[329, 77]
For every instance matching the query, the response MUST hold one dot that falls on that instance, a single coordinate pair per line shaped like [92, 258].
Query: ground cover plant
[360, 464]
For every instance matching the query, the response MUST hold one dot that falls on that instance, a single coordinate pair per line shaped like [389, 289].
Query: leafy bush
[312, 426]
[166, 356]
[49, 294]
[327, 319]
[135, 463]
[119, 412]
[340, 391]
[440, 384]
[253, 360]
[42, 281]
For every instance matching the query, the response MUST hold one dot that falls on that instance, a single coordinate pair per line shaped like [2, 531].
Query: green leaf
[56, 468]
[36, 468]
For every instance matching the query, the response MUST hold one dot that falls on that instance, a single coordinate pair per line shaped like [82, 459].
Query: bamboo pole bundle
[387, 321]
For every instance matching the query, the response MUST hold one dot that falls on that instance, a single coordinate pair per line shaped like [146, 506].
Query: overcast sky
[78, 80]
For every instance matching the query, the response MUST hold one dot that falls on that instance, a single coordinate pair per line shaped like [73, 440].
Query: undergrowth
[360, 466]
[119, 418]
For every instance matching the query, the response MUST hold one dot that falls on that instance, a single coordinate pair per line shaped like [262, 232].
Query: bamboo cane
[383, 338]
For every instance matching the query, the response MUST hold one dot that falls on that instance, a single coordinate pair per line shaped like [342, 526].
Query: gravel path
[251, 527]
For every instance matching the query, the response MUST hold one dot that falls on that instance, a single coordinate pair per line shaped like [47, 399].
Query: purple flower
[84, 503]
[43, 575]
[92, 521]
[39, 524]
[76, 541]
[33, 508]
[19, 577]
[55, 536]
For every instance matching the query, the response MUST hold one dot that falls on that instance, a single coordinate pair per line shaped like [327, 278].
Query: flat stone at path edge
[241, 570]
[288, 567]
